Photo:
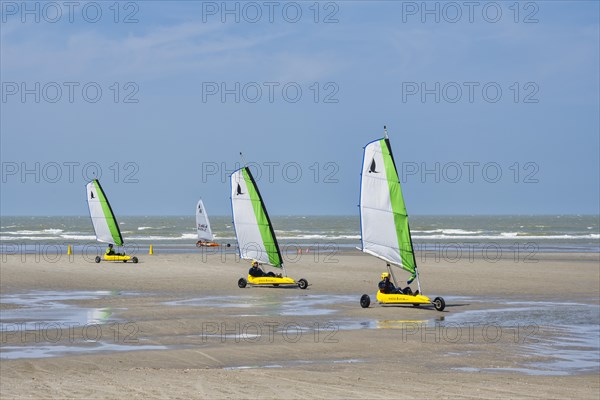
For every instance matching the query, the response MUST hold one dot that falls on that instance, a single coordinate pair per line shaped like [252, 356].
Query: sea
[521, 234]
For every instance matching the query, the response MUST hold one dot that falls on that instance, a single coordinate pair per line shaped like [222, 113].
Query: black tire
[135, 260]
[439, 304]
[125, 261]
[416, 305]
[365, 301]
[97, 259]
[302, 283]
[242, 283]
[276, 285]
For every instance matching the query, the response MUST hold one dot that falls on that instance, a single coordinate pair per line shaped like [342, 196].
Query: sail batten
[105, 224]
[385, 232]
[253, 228]
[203, 224]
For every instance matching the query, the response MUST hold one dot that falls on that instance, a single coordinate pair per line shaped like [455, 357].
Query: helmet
[254, 263]
[385, 275]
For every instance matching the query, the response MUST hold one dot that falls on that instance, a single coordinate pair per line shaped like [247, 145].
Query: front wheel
[135, 260]
[97, 259]
[242, 283]
[439, 304]
[365, 301]
[302, 283]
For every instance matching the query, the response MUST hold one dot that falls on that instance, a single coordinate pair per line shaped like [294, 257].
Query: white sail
[203, 224]
[384, 222]
[255, 235]
[104, 221]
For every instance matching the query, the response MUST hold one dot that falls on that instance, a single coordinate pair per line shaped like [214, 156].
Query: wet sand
[206, 338]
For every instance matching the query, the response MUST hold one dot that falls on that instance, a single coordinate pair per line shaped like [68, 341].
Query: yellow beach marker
[69, 250]
[151, 251]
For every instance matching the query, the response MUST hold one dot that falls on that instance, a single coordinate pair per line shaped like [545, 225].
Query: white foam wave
[449, 231]
[316, 236]
[184, 236]
[509, 236]
[459, 232]
[12, 238]
[79, 237]
[40, 232]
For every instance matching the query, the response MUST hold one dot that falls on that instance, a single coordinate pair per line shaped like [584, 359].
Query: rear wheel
[135, 260]
[439, 304]
[302, 283]
[97, 259]
[365, 301]
[242, 283]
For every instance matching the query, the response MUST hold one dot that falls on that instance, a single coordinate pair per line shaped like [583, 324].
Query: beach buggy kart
[399, 298]
[207, 244]
[123, 258]
[271, 281]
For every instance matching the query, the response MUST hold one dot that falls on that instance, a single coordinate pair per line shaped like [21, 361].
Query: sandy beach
[177, 326]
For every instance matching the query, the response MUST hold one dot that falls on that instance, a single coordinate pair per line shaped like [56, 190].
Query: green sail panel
[104, 221]
[253, 228]
[385, 231]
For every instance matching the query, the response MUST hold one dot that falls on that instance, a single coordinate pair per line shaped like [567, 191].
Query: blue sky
[177, 142]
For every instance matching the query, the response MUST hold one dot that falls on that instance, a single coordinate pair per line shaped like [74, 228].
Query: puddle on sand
[353, 324]
[49, 307]
[566, 333]
[295, 363]
[272, 305]
[48, 325]
[46, 351]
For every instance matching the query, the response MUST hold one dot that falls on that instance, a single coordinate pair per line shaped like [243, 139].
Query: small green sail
[104, 221]
[253, 228]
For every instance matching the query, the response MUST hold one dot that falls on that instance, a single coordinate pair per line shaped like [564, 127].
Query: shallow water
[50, 350]
[48, 324]
[271, 304]
[564, 335]
[567, 334]
[51, 307]
[295, 363]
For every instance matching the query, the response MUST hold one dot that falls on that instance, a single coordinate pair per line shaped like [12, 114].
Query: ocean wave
[184, 236]
[449, 231]
[12, 238]
[145, 228]
[317, 236]
[510, 236]
[39, 232]
[78, 237]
